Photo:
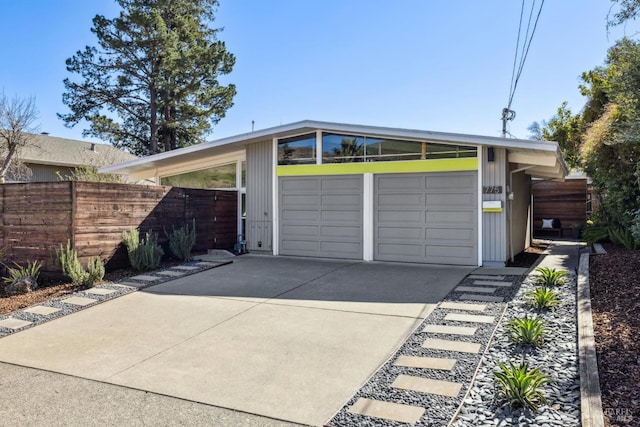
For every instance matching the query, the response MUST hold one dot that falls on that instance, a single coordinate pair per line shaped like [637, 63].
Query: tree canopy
[604, 138]
[151, 84]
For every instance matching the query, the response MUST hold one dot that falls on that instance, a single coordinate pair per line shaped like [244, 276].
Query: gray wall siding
[47, 173]
[259, 225]
[521, 209]
[494, 224]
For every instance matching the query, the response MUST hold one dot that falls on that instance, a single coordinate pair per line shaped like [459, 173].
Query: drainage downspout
[510, 207]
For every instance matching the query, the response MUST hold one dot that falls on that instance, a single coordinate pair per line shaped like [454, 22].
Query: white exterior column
[239, 201]
[275, 239]
[480, 153]
[367, 217]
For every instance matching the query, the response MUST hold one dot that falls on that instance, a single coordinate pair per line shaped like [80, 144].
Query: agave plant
[550, 277]
[520, 385]
[527, 330]
[542, 298]
[32, 270]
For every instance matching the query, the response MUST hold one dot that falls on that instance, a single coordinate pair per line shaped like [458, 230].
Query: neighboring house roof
[51, 150]
[539, 158]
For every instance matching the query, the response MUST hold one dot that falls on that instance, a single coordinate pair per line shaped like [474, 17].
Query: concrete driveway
[287, 338]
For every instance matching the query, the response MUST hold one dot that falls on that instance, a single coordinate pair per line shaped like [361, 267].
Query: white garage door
[321, 216]
[426, 217]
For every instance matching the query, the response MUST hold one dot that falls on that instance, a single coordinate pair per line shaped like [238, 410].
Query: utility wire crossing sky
[440, 66]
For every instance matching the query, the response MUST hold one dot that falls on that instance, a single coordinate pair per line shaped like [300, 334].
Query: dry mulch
[615, 297]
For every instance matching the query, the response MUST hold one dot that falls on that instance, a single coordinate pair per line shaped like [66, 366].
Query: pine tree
[151, 85]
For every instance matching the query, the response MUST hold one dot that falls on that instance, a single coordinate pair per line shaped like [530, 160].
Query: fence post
[74, 208]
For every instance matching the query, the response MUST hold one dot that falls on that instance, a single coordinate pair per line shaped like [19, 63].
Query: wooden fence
[38, 217]
[566, 201]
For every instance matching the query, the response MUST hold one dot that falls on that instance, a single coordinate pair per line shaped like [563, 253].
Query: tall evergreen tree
[152, 84]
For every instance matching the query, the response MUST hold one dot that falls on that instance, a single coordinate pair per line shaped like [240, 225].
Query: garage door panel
[435, 222]
[337, 249]
[464, 200]
[301, 185]
[451, 182]
[300, 216]
[406, 183]
[395, 216]
[398, 233]
[347, 233]
[341, 216]
[404, 249]
[332, 212]
[299, 231]
[453, 252]
[341, 184]
[304, 201]
[447, 217]
[406, 199]
[342, 200]
[450, 234]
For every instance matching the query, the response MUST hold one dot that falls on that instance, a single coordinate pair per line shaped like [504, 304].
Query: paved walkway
[454, 339]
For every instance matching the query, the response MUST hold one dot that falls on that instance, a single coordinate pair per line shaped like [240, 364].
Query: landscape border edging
[590, 397]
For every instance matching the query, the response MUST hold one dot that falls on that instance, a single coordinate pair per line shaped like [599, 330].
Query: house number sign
[492, 189]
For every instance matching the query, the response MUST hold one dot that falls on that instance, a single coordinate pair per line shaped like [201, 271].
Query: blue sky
[419, 64]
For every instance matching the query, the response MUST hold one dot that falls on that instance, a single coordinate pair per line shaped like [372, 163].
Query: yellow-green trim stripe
[434, 165]
[491, 209]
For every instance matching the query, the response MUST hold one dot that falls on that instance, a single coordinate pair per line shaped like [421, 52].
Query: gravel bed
[558, 358]
[475, 404]
[439, 409]
[118, 290]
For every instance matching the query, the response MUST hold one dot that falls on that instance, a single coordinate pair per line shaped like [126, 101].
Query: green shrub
[623, 237]
[182, 240]
[144, 252]
[635, 225]
[542, 298]
[594, 233]
[520, 386]
[550, 277]
[32, 270]
[527, 330]
[67, 259]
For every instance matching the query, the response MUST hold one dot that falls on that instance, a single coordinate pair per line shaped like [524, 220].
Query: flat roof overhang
[543, 157]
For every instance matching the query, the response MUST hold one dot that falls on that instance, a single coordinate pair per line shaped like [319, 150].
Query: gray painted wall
[259, 196]
[521, 206]
[494, 224]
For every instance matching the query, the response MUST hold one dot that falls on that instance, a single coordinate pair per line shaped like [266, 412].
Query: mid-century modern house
[333, 190]
[49, 157]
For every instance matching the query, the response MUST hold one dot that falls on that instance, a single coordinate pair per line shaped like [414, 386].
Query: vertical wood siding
[494, 226]
[259, 222]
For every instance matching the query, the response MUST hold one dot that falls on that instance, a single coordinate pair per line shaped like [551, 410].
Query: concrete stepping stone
[427, 385]
[145, 278]
[100, 291]
[485, 277]
[451, 330]
[463, 306]
[170, 273]
[185, 267]
[439, 363]
[387, 410]
[42, 310]
[81, 301]
[492, 283]
[475, 318]
[447, 345]
[483, 298]
[123, 285]
[207, 263]
[13, 323]
[481, 290]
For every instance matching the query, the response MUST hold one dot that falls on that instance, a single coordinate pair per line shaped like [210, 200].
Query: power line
[507, 113]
